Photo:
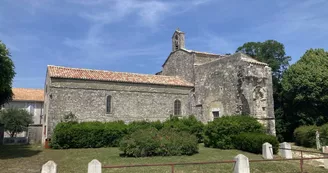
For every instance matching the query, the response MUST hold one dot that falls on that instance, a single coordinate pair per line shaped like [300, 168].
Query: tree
[15, 120]
[273, 53]
[270, 52]
[305, 90]
[7, 74]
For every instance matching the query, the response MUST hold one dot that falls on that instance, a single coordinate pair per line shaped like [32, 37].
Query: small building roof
[102, 75]
[28, 94]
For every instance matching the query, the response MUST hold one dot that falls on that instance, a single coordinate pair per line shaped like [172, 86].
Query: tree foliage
[270, 52]
[7, 74]
[305, 90]
[15, 120]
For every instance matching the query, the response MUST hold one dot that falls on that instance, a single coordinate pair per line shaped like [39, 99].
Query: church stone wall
[215, 88]
[203, 59]
[130, 102]
[180, 63]
[233, 86]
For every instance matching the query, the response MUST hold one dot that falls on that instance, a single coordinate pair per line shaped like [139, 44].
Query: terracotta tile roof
[102, 75]
[27, 94]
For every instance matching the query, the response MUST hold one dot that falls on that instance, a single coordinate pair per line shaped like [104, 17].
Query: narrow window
[216, 114]
[177, 107]
[109, 104]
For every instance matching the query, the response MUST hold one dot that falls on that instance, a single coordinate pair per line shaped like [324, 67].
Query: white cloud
[302, 16]
[199, 2]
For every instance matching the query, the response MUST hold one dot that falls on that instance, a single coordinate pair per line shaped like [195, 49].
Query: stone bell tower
[178, 40]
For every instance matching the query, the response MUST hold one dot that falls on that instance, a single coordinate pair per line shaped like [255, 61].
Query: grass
[29, 159]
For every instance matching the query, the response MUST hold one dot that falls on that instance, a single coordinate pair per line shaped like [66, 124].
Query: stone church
[206, 85]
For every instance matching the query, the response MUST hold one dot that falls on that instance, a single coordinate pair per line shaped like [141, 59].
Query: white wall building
[29, 99]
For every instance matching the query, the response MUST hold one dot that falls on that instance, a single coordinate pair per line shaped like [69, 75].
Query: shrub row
[97, 134]
[220, 132]
[252, 142]
[238, 132]
[164, 142]
[87, 134]
[172, 137]
[306, 135]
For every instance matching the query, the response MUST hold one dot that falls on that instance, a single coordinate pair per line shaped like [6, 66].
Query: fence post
[267, 152]
[241, 165]
[94, 166]
[49, 167]
[325, 161]
[285, 150]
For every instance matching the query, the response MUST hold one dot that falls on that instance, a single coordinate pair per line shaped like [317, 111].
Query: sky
[135, 35]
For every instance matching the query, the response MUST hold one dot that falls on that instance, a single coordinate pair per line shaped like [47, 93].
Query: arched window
[177, 107]
[109, 104]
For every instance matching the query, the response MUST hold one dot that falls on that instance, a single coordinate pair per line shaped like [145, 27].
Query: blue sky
[135, 35]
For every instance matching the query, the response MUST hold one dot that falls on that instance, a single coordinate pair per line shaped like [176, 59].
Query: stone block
[94, 166]
[325, 161]
[284, 150]
[267, 152]
[241, 165]
[49, 167]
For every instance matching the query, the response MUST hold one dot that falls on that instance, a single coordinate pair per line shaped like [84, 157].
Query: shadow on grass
[17, 151]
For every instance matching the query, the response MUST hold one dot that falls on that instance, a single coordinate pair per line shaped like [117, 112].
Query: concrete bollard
[94, 166]
[325, 161]
[287, 154]
[241, 165]
[49, 167]
[267, 152]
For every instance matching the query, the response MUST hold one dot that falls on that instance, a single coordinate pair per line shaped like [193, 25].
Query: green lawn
[28, 159]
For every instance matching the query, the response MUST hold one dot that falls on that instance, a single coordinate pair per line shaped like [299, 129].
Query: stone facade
[224, 84]
[219, 85]
[130, 102]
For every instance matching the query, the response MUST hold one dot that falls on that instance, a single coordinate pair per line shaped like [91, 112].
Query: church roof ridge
[105, 75]
[199, 52]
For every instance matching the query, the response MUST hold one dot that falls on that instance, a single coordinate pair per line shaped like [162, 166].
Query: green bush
[153, 142]
[87, 134]
[219, 133]
[324, 134]
[137, 125]
[305, 136]
[187, 124]
[252, 142]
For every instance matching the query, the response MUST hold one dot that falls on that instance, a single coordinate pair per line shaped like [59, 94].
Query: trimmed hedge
[187, 124]
[87, 134]
[252, 142]
[305, 136]
[324, 134]
[71, 134]
[137, 125]
[153, 142]
[220, 132]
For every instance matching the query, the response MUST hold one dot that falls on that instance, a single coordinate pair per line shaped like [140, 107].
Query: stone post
[49, 167]
[267, 152]
[287, 154]
[94, 166]
[241, 165]
[325, 161]
[317, 139]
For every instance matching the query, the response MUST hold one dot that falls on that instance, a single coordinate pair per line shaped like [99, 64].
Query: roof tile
[27, 94]
[102, 75]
